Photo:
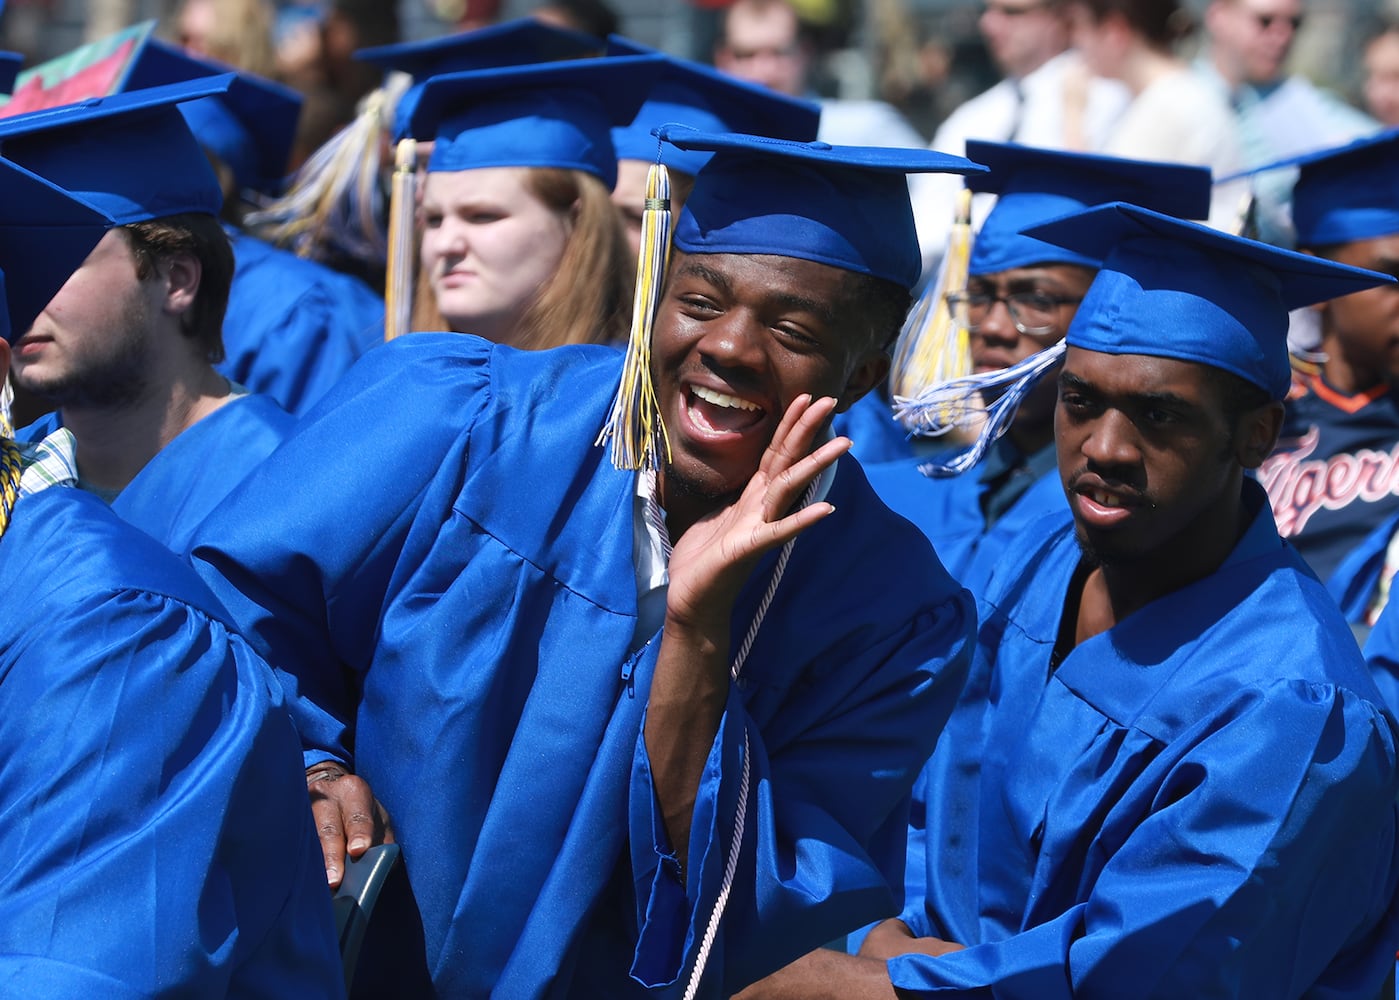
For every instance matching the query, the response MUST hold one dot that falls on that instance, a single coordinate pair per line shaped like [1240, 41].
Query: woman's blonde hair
[242, 34]
[588, 299]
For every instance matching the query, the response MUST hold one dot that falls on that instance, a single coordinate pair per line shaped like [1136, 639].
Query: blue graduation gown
[294, 326]
[442, 563]
[875, 436]
[189, 476]
[1198, 802]
[949, 512]
[155, 836]
[1382, 655]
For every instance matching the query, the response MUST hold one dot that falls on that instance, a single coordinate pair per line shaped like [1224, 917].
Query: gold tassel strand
[634, 424]
[398, 286]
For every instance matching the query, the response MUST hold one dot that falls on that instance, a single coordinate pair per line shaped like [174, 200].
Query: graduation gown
[294, 326]
[875, 436]
[155, 837]
[1198, 802]
[441, 562]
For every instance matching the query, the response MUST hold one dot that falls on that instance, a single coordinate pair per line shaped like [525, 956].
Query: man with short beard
[126, 349]
[1186, 780]
[635, 728]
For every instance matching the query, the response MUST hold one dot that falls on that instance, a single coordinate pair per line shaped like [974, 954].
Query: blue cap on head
[701, 97]
[1174, 289]
[1345, 193]
[251, 128]
[1035, 185]
[512, 43]
[846, 206]
[10, 65]
[131, 155]
[45, 234]
[547, 115]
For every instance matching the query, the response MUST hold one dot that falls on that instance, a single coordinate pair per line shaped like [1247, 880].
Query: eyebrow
[788, 301]
[1071, 381]
[1387, 265]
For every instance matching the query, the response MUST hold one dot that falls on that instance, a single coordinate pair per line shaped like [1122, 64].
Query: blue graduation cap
[1175, 289]
[688, 93]
[513, 43]
[546, 115]
[846, 206]
[45, 234]
[130, 155]
[1345, 193]
[10, 65]
[1035, 185]
[251, 127]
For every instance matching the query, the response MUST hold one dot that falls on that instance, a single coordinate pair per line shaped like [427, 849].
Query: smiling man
[1185, 783]
[586, 740]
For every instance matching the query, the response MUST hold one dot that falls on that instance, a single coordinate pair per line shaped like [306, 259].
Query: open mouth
[716, 412]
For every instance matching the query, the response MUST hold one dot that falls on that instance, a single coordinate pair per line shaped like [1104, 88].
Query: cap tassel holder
[959, 403]
[398, 287]
[11, 468]
[933, 348]
[634, 423]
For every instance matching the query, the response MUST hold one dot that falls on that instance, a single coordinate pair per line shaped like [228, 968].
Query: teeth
[725, 400]
[1105, 499]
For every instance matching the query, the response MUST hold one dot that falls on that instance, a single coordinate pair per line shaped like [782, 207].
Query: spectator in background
[1047, 99]
[592, 17]
[1382, 74]
[1278, 115]
[764, 41]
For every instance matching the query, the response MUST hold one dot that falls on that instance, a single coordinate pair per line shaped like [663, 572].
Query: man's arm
[708, 567]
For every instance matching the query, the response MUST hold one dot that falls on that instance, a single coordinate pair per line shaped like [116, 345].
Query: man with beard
[126, 349]
[633, 729]
[1020, 297]
[1186, 783]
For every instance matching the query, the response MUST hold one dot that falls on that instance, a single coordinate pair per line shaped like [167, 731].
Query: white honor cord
[711, 929]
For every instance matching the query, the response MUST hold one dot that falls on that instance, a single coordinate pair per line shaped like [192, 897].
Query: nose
[733, 340]
[998, 326]
[1111, 443]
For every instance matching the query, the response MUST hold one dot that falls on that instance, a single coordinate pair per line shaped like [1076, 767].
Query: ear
[872, 369]
[182, 272]
[1257, 434]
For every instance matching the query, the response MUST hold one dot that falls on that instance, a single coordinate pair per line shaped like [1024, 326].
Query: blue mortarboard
[513, 43]
[688, 93]
[10, 65]
[251, 128]
[1345, 193]
[846, 206]
[45, 234]
[131, 155]
[1035, 185]
[546, 115]
[1175, 289]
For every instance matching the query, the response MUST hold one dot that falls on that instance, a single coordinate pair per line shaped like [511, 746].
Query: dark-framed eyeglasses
[1033, 312]
[1266, 21]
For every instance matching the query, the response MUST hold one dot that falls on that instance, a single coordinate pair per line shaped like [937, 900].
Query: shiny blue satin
[155, 837]
[458, 552]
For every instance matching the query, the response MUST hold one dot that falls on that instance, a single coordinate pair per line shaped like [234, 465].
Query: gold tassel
[933, 348]
[398, 285]
[11, 468]
[634, 424]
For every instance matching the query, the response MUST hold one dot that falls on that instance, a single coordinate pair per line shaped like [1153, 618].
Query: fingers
[332, 837]
[348, 819]
[795, 433]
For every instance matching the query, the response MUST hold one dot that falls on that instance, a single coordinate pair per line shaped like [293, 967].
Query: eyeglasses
[1266, 21]
[1033, 313]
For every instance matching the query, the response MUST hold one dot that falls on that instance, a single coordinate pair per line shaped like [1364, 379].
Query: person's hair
[881, 305]
[592, 17]
[759, 8]
[1163, 24]
[202, 237]
[242, 34]
[588, 299]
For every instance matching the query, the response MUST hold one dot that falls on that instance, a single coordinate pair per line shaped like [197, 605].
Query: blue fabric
[949, 512]
[1382, 656]
[294, 326]
[189, 476]
[1356, 577]
[1198, 802]
[1334, 475]
[156, 838]
[875, 436]
[455, 614]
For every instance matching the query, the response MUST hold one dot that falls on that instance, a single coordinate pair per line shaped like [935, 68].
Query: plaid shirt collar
[50, 462]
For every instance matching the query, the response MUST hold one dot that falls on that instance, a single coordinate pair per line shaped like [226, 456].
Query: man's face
[1382, 78]
[1145, 453]
[1046, 299]
[1022, 34]
[91, 344]
[1364, 327]
[1252, 38]
[762, 46]
[738, 337]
